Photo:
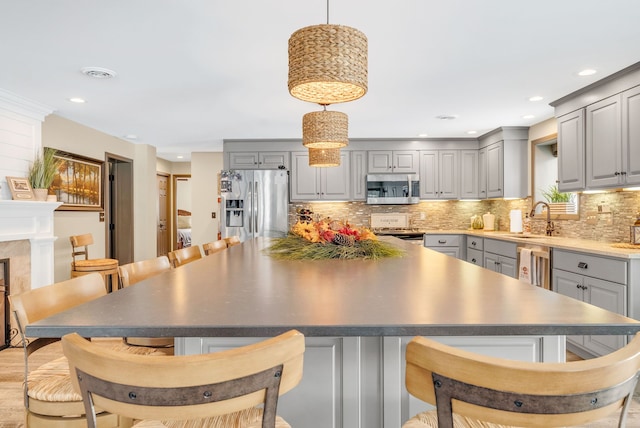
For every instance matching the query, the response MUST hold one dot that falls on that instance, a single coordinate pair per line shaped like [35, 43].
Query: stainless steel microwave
[393, 189]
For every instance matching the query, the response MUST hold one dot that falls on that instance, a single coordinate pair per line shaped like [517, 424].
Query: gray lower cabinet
[600, 281]
[475, 253]
[311, 184]
[446, 244]
[501, 257]
[360, 381]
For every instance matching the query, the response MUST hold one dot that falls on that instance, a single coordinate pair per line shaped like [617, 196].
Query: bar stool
[214, 247]
[232, 240]
[80, 247]
[184, 255]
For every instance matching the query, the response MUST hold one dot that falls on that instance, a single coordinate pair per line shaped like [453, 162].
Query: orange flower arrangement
[328, 231]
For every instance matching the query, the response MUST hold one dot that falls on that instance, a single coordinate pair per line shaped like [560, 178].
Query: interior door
[164, 238]
[120, 209]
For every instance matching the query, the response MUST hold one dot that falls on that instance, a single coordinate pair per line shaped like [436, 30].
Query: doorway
[164, 237]
[181, 214]
[119, 209]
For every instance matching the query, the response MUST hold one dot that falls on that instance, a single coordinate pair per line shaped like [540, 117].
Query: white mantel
[20, 220]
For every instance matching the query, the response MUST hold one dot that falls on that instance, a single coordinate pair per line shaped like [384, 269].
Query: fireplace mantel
[33, 221]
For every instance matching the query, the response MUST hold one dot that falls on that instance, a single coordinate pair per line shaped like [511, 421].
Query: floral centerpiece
[330, 239]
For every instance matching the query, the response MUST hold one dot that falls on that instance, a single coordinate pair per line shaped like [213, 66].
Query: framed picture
[20, 188]
[78, 183]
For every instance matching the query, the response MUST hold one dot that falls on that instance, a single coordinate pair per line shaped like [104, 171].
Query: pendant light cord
[327, 12]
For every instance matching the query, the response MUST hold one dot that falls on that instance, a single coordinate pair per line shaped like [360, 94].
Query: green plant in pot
[42, 172]
[553, 195]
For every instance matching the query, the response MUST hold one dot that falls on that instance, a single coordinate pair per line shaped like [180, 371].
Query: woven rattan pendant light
[324, 157]
[325, 130]
[327, 63]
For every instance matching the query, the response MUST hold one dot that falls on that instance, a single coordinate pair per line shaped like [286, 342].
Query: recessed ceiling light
[587, 72]
[77, 100]
[423, 135]
[528, 116]
[447, 117]
[131, 137]
[98, 72]
[180, 157]
[472, 132]
[536, 98]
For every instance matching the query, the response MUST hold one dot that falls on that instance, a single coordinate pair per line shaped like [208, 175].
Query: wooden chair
[500, 391]
[214, 247]
[232, 240]
[184, 255]
[83, 266]
[223, 387]
[132, 273]
[49, 398]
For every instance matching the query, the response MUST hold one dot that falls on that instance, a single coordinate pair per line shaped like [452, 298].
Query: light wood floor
[12, 372]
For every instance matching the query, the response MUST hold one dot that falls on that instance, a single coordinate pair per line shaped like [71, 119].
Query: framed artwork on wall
[78, 183]
[20, 188]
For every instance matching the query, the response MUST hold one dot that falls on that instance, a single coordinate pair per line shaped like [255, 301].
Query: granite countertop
[559, 242]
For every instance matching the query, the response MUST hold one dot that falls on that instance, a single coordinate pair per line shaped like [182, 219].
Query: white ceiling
[194, 72]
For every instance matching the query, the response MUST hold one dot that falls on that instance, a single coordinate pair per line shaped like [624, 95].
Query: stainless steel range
[397, 225]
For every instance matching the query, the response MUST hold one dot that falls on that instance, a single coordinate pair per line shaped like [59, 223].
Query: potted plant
[559, 202]
[42, 171]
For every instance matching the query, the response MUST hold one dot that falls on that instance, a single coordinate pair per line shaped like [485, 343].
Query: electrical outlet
[213, 215]
[592, 217]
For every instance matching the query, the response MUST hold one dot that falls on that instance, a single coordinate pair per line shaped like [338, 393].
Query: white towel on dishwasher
[524, 269]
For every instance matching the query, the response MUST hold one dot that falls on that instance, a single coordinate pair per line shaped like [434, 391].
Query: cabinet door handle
[616, 173]
[473, 260]
[440, 241]
[578, 286]
[473, 243]
[623, 173]
[583, 265]
[497, 263]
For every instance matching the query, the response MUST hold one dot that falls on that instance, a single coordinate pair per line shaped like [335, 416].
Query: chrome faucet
[550, 225]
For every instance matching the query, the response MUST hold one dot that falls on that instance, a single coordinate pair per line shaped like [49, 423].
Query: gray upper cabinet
[571, 151]
[631, 135]
[599, 133]
[469, 174]
[359, 175]
[258, 160]
[386, 161]
[482, 173]
[310, 183]
[613, 140]
[439, 175]
[495, 170]
[604, 142]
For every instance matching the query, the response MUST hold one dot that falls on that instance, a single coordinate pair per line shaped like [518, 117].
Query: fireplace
[5, 334]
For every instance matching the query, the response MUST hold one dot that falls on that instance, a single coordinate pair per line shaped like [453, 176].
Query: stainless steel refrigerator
[254, 203]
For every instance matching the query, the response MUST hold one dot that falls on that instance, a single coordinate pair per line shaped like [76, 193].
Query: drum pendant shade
[324, 157]
[325, 130]
[327, 64]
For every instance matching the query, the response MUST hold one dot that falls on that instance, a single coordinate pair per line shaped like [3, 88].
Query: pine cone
[340, 239]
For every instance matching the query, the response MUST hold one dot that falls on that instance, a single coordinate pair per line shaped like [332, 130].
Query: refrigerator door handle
[250, 210]
[257, 193]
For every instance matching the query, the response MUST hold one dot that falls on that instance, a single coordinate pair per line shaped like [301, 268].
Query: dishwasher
[539, 264]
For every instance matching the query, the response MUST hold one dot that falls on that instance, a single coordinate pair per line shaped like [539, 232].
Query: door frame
[109, 158]
[168, 205]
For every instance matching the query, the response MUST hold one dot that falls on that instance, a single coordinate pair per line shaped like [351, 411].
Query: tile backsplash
[605, 226]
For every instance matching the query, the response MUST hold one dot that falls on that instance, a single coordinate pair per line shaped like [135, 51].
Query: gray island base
[357, 316]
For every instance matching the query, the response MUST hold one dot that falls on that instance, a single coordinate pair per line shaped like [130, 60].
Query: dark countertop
[242, 292]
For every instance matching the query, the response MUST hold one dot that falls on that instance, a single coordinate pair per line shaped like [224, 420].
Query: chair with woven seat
[83, 266]
[232, 388]
[472, 390]
[232, 240]
[214, 247]
[135, 272]
[184, 255]
[49, 398]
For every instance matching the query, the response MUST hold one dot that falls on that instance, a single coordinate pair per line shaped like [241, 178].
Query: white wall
[65, 135]
[205, 168]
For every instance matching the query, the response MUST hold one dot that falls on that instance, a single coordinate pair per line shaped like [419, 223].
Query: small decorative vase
[40, 194]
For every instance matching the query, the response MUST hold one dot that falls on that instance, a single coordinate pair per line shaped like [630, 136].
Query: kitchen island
[357, 315]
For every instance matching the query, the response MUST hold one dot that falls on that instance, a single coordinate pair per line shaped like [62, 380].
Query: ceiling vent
[98, 72]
